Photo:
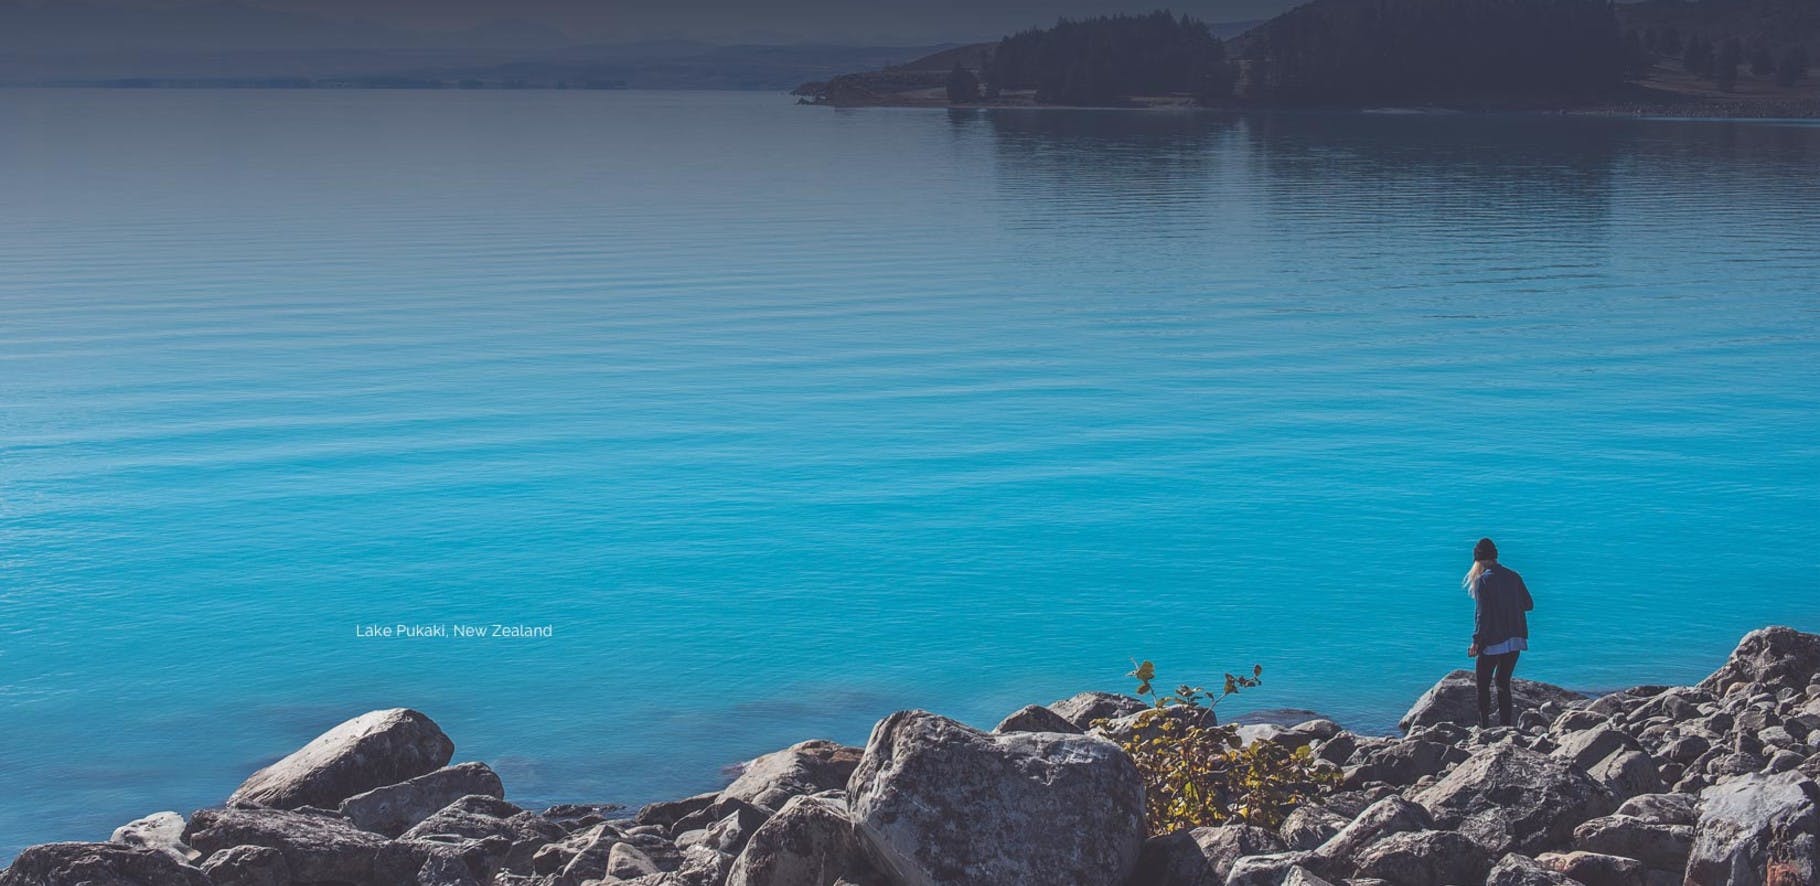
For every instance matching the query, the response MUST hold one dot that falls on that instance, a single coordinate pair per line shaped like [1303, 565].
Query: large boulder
[1201, 856]
[1663, 847]
[1309, 826]
[1084, 708]
[1403, 763]
[372, 750]
[393, 809]
[1771, 658]
[1521, 870]
[1596, 869]
[1757, 830]
[1512, 799]
[809, 842]
[160, 830]
[668, 812]
[1588, 747]
[248, 866]
[100, 864]
[478, 817]
[1035, 718]
[1628, 774]
[937, 802]
[1424, 858]
[317, 846]
[803, 768]
[1661, 808]
[1269, 869]
[1456, 700]
[1391, 815]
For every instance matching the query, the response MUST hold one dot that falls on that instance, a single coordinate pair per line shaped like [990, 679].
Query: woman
[1499, 629]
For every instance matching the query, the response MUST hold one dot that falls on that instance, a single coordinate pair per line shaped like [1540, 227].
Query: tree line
[1426, 50]
[1107, 60]
[1718, 60]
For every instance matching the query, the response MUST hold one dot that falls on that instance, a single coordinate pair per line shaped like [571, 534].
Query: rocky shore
[1655, 785]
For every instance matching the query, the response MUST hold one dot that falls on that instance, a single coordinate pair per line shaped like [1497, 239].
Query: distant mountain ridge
[232, 43]
[228, 25]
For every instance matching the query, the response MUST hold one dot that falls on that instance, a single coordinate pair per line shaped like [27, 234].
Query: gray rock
[1307, 827]
[803, 768]
[719, 810]
[478, 817]
[1589, 747]
[1686, 749]
[626, 861]
[1628, 774]
[160, 830]
[372, 750]
[318, 846]
[393, 809]
[1660, 808]
[100, 864]
[1511, 799]
[1338, 749]
[1424, 858]
[1403, 763]
[670, 812]
[1391, 815]
[442, 860]
[579, 857]
[1521, 870]
[1594, 869]
[248, 866]
[1148, 723]
[1784, 761]
[1271, 732]
[1085, 708]
[445, 870]
[1174, 859]
[1775, 657]
[1223, 845]
[729, 835]
[1661, 846]
[810, 842]
[1301, 876]
[1455, 699]
[1035, 718]
[1756, 828]
[1265, 870]
[1574, 720]
[935, 802]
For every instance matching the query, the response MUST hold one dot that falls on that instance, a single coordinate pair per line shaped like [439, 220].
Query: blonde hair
[1471, 581]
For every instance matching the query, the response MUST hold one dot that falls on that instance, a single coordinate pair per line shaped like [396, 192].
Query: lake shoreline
[1712, 111]
[1648, 783]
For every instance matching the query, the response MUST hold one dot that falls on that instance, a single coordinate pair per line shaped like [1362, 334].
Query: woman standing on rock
[1499, 629]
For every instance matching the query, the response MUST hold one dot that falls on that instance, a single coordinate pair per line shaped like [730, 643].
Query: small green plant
[1198, 773]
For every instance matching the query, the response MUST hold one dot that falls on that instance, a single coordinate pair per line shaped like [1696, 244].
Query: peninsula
[1702, 58]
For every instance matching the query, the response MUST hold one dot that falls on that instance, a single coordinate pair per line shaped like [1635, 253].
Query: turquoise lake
[784, 418]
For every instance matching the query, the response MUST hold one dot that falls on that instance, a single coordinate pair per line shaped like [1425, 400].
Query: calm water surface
[785, 418]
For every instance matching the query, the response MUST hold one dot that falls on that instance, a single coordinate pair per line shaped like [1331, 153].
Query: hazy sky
[892, 21]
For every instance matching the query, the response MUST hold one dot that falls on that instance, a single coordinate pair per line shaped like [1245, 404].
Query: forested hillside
[1348, 52]
[1103, 61]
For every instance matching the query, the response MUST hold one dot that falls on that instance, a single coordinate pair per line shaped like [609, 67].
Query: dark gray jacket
[1502, 598]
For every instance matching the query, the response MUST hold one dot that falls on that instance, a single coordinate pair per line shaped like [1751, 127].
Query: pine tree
[1697, 58]
[1725, 65]
[963, 86]
[1792, 66]
[1762, 64]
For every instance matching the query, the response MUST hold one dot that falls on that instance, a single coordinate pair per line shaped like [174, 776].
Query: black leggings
[1500, 667]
